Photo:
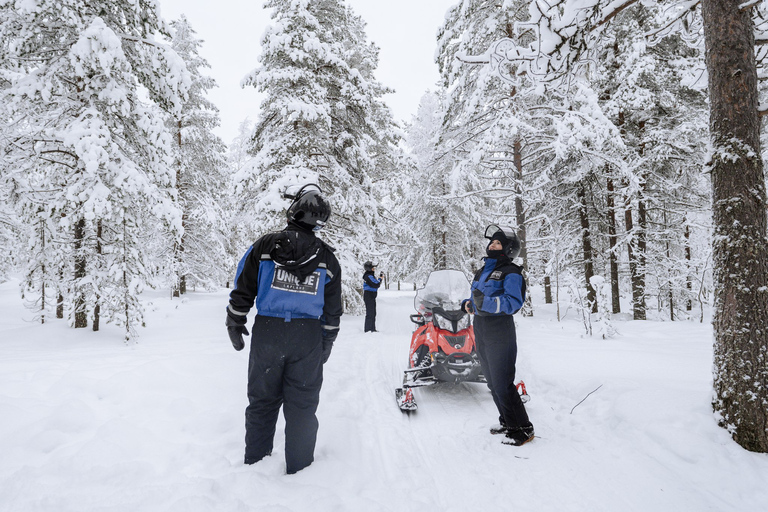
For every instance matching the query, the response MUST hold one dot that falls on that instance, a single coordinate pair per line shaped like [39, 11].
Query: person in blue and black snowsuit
[370, 290]
[498, 292]
[295, 280]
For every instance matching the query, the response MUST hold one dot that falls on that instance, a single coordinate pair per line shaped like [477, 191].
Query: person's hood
[297, 251]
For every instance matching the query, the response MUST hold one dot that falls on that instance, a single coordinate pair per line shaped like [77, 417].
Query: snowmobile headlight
[443, 323]
[463, 323]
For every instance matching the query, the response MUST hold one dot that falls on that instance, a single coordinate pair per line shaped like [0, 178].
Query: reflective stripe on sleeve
[235, 312]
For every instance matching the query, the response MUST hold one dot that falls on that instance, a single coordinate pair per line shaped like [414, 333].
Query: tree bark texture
[81, 316]
[638, 288]
[180, 287]
[688, 277]
[586, 242]
[42, 272]
[517, 155]
[612, 244]
[740, 252]
[97, 301]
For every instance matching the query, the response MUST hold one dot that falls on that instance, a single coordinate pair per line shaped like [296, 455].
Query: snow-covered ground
[90, 424]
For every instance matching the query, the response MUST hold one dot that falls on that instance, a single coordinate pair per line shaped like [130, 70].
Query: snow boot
[518, 436]
[501, 428]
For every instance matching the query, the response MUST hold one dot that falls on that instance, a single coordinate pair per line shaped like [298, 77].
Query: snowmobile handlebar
[418, 319]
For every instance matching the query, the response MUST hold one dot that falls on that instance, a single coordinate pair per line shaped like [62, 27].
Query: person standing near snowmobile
[295, 280]
[498, 292]
[370, 290]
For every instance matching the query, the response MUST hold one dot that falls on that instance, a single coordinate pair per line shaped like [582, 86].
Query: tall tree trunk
[97, 302]
[670, 286]
[442, 254]
[740, 251]
[126, 291]
[688, 277]
[641, 233]
[81, 316]
[60, 297]
[638, 290]
[517, 154]
[641, 237]
[586, 242]
[612, 245]
[42, 271]
[180, 286]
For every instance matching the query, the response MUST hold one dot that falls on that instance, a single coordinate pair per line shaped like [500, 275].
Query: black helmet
[508, 238]
[369, 266]
[309, 209]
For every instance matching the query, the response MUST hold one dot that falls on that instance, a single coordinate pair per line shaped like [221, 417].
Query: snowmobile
[443, 343]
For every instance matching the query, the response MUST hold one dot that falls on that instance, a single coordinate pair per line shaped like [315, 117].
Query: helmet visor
[495, 228]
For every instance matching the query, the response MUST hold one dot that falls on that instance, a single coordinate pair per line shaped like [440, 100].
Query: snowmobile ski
[405, 401]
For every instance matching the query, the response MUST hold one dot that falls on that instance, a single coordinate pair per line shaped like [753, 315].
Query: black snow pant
[496, 342]
[370, 310]
[284, 369]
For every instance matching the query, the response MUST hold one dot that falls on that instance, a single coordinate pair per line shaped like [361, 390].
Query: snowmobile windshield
[445, 289]
[494, 228]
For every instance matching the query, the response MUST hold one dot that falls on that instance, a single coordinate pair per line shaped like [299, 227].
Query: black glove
[236, 331]
[329, 336]
[478, 298]
[381, 275]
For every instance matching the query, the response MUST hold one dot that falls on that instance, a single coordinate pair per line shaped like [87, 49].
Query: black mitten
[236, 330]
[478, 298]
[329, 336]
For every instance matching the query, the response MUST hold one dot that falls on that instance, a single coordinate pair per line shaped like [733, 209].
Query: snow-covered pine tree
[240, 233]
[419, 212]
[201, 174]
[323, 121]
[76, 76]
[10, 226]
[488, 124]
[8, 240]
[646, 92]
[568, 33]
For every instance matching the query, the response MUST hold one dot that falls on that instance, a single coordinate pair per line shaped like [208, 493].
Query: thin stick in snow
[578, 404]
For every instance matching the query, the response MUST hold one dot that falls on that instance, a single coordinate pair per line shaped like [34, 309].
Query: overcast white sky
[232, 29]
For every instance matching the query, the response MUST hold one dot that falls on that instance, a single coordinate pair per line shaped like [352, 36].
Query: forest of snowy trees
[605, 131]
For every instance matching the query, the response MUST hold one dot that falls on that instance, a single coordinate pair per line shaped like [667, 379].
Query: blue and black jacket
[370, 282]
[502, 285]
[290, 274]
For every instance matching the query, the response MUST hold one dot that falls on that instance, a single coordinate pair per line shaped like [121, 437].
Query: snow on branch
[684, 10]
[748, 5]
[563, 34]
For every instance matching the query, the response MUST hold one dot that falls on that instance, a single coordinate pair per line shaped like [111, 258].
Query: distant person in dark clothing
[498, 292]
[295, 279]
[370, 289]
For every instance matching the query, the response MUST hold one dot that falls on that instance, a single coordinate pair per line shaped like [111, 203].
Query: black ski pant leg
[265, 389]
[498, 340]
[370, 310]
[481, 352]
[302, 380]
